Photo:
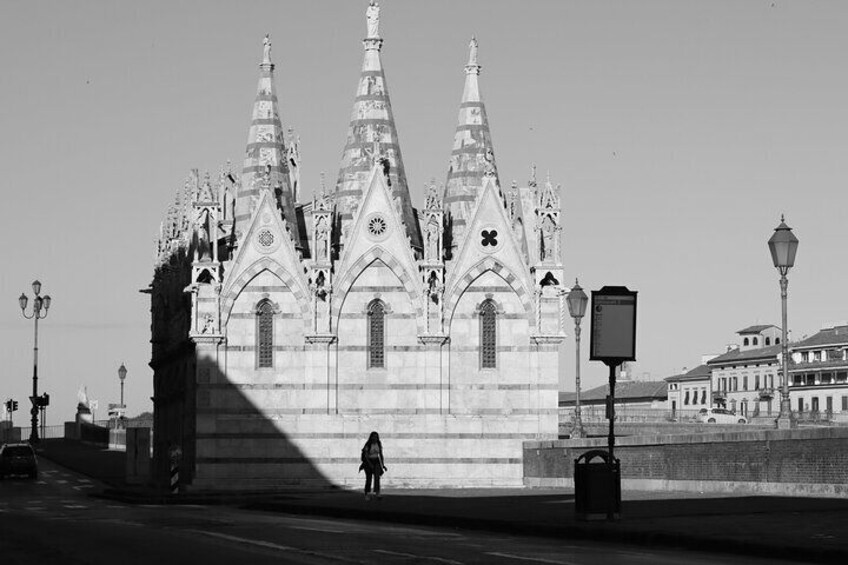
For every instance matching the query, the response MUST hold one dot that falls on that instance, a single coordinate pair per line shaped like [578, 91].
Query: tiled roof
[698, 373]
[837, 335]
[756, 329]
[739, 355]
[626, 390]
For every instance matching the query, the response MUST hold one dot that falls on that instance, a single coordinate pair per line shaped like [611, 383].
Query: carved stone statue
[547, 247]
[266, 51]
[372, 17]
[433, 241]
[321, 235]
[472, 52]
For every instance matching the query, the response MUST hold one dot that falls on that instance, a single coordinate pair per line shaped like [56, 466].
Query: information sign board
[613, 331]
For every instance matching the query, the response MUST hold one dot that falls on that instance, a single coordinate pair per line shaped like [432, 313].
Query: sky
[680, 131]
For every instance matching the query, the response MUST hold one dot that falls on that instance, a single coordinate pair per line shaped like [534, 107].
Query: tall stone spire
[473, 156]
[371, 137]
[265, 148]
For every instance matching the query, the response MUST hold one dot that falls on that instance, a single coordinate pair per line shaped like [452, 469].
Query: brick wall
[790, 457]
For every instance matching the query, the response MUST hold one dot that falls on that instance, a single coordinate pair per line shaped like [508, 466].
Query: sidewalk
[808, 529]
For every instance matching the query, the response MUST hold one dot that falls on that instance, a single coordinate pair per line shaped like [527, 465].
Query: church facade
[284, 332]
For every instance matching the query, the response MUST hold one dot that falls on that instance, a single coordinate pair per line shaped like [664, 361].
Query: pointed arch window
[488, 335]
[265, 334]
[376, 335]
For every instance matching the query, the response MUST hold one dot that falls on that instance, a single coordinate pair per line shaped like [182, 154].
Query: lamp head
[36, 287]
[577, 301]
[46, 302]
[783, 245]
[122, 372]
[22, 301]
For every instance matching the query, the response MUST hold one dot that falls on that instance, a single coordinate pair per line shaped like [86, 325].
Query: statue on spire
[472, 52]
[266, 50]
[372, 17]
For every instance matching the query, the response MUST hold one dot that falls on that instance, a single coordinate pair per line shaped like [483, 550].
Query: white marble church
[284, 332]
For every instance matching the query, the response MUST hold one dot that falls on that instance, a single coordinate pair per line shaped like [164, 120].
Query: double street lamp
[783, 245]
[577, 301]
[40, 306]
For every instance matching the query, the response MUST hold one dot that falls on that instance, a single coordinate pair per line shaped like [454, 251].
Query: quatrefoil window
[489, 238]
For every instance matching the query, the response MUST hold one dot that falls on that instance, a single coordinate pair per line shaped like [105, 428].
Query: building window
[488, 335]
[735, 384]
[845, 403]
[771, 381]
[745, 341]
[817, 356]
[805, 356]
[815, 406]
[686, 398]
[703, 396]
[265, 334]
[768, 341]
[756, 341]
[800, 405]
[777, 341]
[376, 335]
[745, 383]
[829, 404]
[756, 382]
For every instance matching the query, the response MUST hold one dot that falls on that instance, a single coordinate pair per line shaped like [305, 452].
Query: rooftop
[625, 390]
[742, 355]
[698, 373]
[756, 329]
[837, 335]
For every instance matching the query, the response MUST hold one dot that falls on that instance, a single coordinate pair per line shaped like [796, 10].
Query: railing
[624, 413]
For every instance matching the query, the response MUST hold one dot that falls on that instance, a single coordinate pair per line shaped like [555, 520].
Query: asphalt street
[55, 521]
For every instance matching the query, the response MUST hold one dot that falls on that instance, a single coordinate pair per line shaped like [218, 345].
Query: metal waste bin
[597, 486]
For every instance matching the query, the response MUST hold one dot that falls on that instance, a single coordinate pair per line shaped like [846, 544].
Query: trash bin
[597, 486]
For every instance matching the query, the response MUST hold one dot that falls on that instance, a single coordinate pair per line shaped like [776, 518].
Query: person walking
[373, 464]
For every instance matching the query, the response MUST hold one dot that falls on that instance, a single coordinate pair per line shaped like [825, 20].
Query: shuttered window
[488, 335]
[376, 335]
[265, 334]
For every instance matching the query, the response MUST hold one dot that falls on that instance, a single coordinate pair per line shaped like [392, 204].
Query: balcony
[814, 365]
[766, 393]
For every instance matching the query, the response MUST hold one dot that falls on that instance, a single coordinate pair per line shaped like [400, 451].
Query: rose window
[377, 226]
[265, 238]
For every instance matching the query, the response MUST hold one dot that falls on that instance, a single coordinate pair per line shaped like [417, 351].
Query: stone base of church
[322, 451]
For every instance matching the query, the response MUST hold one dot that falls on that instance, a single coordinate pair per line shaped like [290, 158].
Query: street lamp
[577, 301]
[783, 245]
[122, 374]
[40, 306]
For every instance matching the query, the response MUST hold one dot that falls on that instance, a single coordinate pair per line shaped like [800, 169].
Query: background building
[691, 390]
[744, 378]
[818, 374]
[284, 332]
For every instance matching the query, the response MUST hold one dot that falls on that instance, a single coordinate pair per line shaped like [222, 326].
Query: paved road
[53, 520]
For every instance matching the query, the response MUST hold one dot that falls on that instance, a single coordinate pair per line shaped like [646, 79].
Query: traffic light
[14, 406]
[45, 399]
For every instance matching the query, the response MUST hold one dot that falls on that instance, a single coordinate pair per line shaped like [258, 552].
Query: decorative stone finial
[372, 19]
[533, 175]
[266, 51]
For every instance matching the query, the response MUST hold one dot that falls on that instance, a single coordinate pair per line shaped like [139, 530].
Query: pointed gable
[473, 155]
[265, 149]
[266, 245]
[490, 244]
[372, 136]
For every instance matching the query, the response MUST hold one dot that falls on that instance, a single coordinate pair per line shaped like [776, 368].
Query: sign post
[613, 341]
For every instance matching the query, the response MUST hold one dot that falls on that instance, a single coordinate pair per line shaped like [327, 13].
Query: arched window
[376, 335]
[745, 341]
[265, 334]
[777, 341]
[488, 335]
[755, 341]
[768, 341]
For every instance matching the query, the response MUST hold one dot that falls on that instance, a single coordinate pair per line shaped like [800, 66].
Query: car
[18, 459]
[720, 416]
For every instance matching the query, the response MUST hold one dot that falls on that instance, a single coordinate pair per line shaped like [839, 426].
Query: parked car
[720, 416]
[18, 459]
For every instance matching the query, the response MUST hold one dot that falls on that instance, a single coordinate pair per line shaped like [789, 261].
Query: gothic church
[284, 332]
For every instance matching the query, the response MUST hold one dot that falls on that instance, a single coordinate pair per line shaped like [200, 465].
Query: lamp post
[40, 306]
[577, 301]
[783, 245]
[122, 374]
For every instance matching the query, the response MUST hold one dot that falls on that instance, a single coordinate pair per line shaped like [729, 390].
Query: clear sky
[680, 131]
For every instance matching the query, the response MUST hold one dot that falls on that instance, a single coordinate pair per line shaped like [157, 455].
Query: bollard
[175, 455]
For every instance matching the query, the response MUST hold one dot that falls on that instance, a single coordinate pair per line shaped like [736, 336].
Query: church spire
[265, 148]
[473, 157]
[372, 136]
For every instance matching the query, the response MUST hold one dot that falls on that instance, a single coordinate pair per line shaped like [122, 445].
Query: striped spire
[265, 147]
[473, 156]
[372, 136]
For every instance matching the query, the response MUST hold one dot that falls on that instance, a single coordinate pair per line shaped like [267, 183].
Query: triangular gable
[377, 223]
[489, 237]
[266, 239]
